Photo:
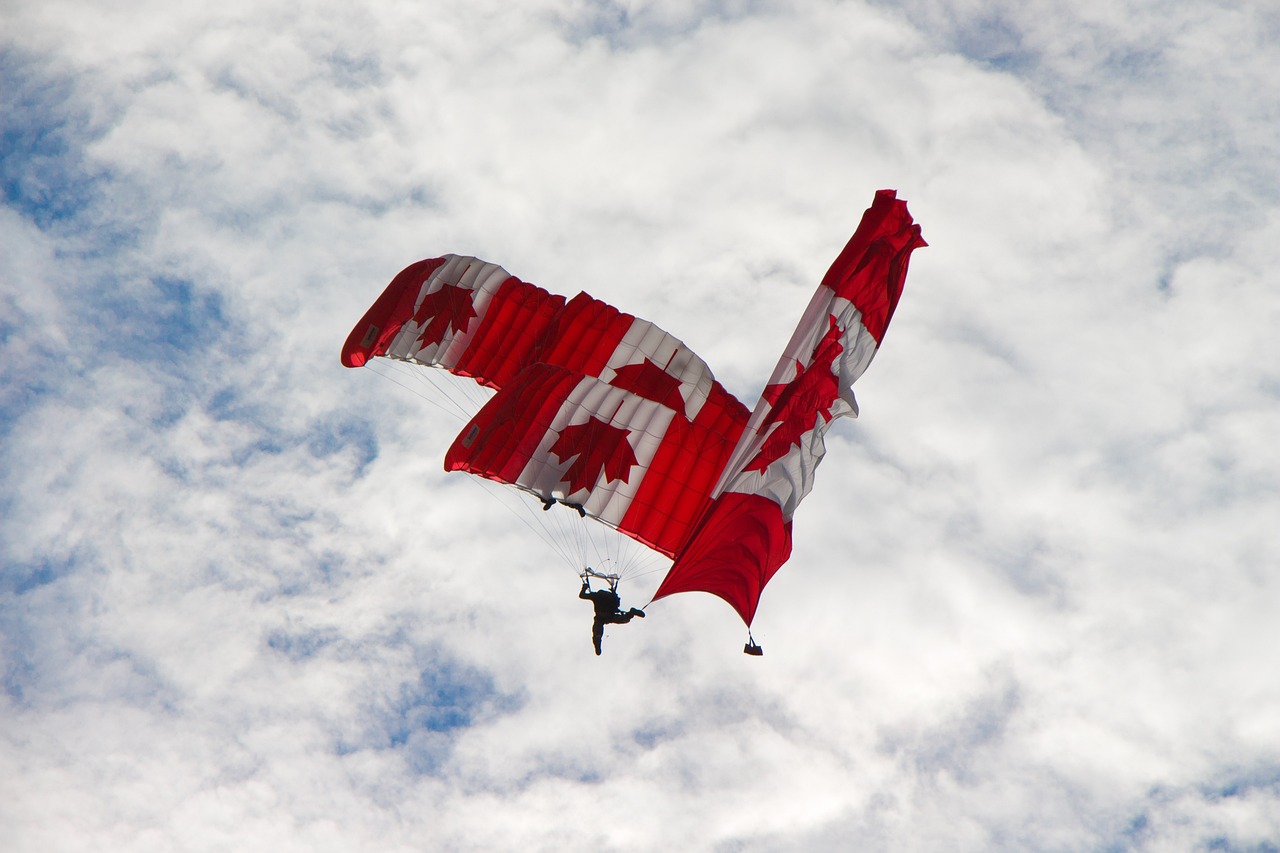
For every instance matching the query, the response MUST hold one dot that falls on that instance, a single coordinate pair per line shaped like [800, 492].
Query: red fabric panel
[515, 318]
[677, 488]
[736, 549]
[381, 322]
[723, 413]
[583, 336]
[872, 268]
[502, 437]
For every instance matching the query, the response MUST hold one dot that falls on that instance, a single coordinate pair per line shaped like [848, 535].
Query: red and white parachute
[608, 413]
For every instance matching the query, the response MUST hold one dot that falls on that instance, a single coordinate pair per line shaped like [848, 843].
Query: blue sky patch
[338, 434]
[447, 696]
[18, 578]
[162, 321]
[302, 645]
[352, 71]
[420, 719]
[43, 173]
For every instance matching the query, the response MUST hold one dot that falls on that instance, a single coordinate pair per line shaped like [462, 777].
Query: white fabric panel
[459, 271]
[789, 478]
[647, 422]
[645, 340]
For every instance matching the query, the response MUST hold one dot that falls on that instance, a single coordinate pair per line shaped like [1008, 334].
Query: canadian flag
[473, 318]
[745, 535]
[597, 339]
[460, 313]
[634, 463]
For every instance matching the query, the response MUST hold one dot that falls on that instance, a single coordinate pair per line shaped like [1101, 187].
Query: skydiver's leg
[597, 634]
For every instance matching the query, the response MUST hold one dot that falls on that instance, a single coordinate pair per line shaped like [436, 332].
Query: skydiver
[608, 610]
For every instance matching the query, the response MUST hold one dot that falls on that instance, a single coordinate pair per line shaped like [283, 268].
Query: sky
[1032, 601]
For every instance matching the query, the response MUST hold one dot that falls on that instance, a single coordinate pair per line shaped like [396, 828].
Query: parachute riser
[612, 579]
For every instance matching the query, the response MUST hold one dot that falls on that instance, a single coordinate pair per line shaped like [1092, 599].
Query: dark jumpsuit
[606, 603]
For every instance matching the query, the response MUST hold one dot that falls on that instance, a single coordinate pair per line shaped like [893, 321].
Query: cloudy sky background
[1033, 601]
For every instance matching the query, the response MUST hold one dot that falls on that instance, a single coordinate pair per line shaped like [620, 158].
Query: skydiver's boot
[636, 612]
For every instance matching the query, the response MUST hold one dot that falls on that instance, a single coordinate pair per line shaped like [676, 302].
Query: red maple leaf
[449, 309]
[600, 448]
[651, 382]
[798, 403]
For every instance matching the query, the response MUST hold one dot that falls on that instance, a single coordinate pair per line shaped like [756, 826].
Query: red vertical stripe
[871, 269]
[583, 336]
[385, 317]
[503, 436]
[515, 318]
[677, 486]
[738, 547]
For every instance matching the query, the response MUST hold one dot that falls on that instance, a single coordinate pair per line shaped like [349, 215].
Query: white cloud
[1032, 600]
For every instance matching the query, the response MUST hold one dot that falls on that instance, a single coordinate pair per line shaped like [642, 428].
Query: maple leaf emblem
[448, 309]
[600, 449]
[798, 403]
[651, 382]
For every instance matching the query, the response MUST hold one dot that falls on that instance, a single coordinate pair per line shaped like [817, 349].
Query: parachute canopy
[612, 415]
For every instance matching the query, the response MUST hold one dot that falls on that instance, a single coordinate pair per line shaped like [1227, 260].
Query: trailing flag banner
[746, 535]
